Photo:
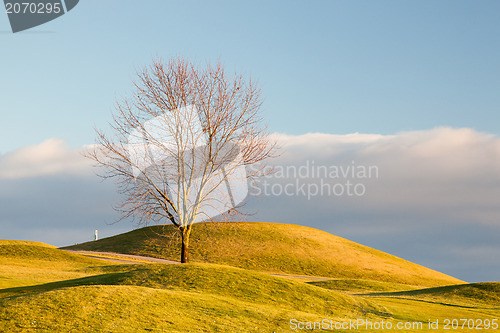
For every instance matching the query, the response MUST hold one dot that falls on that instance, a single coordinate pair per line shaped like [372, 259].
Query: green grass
[171, 298]
[201, 298]
[356, 286]
[50, 290]
[140, 309]
[21, 242]
[26, 263]
[470, 294]
[420, 310]
[216, 280]
[274, 247]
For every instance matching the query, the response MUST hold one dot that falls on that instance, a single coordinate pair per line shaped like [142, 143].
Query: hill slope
[274, 247]
[69, 292]
[470, 293]
[171, 298]
[24, 263]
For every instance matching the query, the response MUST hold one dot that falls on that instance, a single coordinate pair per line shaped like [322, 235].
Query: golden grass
[275, 248]
[24, 263]
[106, 297]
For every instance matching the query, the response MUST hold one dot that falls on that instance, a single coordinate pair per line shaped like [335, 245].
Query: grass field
[276, 248]
[29, 263]
[45, 289]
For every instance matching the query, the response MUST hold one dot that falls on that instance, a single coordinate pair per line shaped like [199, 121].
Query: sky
[410, 87]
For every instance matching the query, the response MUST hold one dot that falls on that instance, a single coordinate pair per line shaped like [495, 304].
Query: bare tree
[180, 145]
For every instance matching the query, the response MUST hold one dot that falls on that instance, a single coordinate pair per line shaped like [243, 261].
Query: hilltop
[274, 248]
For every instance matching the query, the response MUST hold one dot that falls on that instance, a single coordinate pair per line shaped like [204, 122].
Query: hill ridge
[274, 248]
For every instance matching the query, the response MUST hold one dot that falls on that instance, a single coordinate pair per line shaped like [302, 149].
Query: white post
[96, 237]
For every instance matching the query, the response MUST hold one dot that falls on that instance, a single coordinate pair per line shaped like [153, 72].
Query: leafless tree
[180, 147]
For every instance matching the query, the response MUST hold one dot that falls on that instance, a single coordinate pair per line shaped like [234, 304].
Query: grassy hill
[26, 263]
[109, 297]
[45, 289]
[463, 294]
[274, 247]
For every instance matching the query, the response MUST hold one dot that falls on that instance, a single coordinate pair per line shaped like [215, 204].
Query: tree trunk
[184, 246]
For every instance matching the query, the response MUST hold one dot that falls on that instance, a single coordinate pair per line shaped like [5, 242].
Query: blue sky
[325, 66]
[422, 76]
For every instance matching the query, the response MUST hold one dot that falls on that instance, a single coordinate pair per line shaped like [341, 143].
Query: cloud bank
[440, 173]
[52, 157]
[434, 199]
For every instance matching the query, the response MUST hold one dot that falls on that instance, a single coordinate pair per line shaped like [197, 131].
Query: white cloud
[443, 173]
[51, 157]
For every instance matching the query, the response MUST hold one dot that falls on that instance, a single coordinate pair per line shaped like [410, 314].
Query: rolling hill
[45, 289]
[25, 263]
[276, 248]
[70, 292]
